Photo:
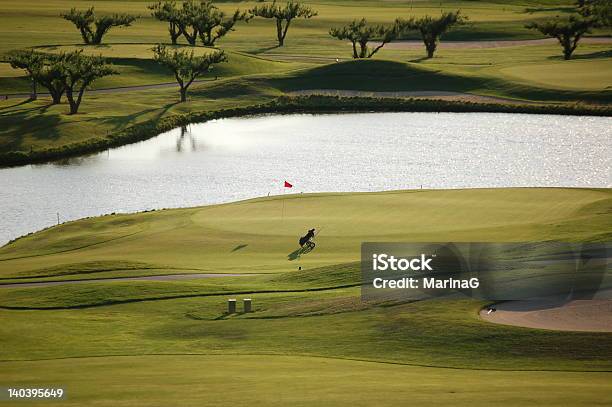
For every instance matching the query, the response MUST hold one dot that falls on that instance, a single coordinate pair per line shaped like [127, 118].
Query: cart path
[160, 277]
[490, 44]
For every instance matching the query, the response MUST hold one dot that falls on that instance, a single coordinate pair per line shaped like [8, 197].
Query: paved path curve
[491, 44]
[161, 277]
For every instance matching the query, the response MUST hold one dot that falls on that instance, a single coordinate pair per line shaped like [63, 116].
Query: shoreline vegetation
[311, 104]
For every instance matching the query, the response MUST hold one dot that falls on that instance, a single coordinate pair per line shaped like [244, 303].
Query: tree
[185, 65]
[205, 21]
[78, 72]
[29, 61]
[215, 24]
[283, 16]
[44, 69]
[360, 33]
[431, 29]
[93, 28]
[568, 31]
[51, 77]
[168, 12]
[601, 10]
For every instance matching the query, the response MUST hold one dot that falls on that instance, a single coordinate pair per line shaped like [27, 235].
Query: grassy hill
[307, 325]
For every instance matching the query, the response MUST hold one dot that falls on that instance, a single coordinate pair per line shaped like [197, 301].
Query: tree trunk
[175, 33]
[279, 33]
[363, 49]
[33, 92]
[74, 104]
[355, 50]
[191, 38]
[567, 47]
[55, 96]
[183, 92]
[431, 49]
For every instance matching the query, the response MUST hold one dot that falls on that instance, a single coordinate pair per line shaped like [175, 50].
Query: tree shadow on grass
[592, 55]
[23, 102]
[19, 125]
[121, 122]
[261, 50]
[418, 60]
[560, 9]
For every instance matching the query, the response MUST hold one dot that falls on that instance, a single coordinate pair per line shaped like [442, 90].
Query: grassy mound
[135, 66]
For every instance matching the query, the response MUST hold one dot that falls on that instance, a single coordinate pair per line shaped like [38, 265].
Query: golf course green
[131, 309]
[309, 327]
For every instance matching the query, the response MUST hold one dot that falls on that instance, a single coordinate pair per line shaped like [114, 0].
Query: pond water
[230, 159]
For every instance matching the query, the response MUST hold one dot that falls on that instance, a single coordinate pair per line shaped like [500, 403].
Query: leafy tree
[93, 28]
[51, 77]
[189, 15]
[185, 65]
[431, 29]
[568, 31]
[78, 72]
[360, 33]
[167, 11]
[601, 10]
[29, 61]
[205, 21]
[283, 15]
[216, 24]
[43, 69]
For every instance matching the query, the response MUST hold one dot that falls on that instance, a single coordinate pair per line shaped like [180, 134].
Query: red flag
[288, 185]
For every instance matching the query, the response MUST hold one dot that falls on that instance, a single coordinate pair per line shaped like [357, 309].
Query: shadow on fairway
[294, 255]
[239, 247]
[593, 55]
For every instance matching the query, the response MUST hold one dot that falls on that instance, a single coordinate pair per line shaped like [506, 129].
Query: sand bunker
[576, 315]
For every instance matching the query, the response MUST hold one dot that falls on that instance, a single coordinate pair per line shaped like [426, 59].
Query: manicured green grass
[135, 67]
[29, 23]
[299, 381]
[313, 312]
[203, 238]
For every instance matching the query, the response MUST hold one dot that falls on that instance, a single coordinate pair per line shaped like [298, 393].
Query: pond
[231, 159]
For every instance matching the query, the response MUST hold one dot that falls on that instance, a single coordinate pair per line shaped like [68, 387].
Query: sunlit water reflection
[231, 159]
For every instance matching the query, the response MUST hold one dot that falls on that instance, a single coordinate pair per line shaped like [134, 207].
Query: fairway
[288, 380]
[315, 312]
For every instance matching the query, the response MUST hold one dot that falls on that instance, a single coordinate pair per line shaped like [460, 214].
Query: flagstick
[283, 212]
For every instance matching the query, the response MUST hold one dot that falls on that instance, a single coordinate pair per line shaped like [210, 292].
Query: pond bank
[296, 104]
